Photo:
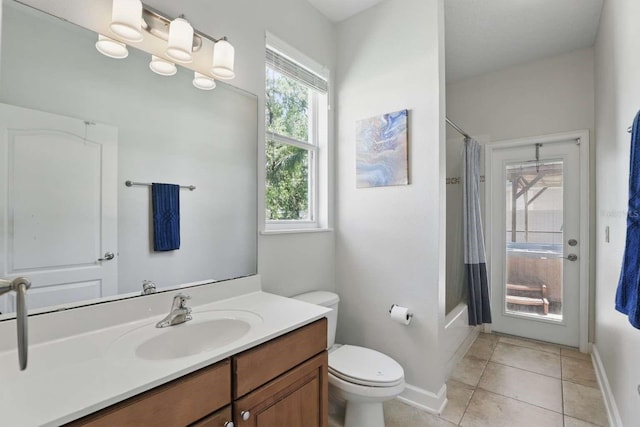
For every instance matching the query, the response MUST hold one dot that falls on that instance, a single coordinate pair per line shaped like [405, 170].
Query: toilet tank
[329, 300]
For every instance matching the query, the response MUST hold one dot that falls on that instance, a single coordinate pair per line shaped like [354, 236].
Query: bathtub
[458, 337]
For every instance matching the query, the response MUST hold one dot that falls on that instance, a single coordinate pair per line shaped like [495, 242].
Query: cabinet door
[298, 398]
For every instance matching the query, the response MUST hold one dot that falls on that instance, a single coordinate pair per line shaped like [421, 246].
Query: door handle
[570, 257]
[108, 256]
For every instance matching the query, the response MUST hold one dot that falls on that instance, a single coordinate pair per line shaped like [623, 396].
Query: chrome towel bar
[148, 184]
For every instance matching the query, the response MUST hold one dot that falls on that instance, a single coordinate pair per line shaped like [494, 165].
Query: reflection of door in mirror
[58, 201]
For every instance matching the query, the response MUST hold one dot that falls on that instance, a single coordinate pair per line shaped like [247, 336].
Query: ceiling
[482, 36]
[489, 35]
[339, 10]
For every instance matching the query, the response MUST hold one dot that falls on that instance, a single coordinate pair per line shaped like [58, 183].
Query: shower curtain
[475, 267]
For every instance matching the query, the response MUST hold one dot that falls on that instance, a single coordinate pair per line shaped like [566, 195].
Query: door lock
[572, 242]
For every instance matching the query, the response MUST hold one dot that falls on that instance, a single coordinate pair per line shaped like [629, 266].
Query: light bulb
[180, 41]
[162, 66]
[126, 19]
[111, 48]
[203, 82]
[223, 60]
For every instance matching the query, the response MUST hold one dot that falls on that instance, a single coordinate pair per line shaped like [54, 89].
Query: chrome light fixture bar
[158, 26]
[181, 38]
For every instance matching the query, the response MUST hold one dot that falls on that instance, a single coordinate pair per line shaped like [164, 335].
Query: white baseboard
[424, 399]
[603, 382]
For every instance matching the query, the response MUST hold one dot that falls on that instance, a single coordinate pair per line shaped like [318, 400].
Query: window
[296, 133]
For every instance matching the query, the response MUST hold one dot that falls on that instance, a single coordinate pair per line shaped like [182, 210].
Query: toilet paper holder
[409, 315]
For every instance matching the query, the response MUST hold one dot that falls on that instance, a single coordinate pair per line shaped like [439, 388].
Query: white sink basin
[209, 330]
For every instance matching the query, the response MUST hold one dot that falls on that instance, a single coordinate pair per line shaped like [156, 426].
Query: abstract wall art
[381, 150]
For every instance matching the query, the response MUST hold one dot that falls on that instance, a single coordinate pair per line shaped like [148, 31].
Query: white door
[535, 240]
[58, 206]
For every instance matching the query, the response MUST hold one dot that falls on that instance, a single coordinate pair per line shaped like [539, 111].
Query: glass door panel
[534, 239]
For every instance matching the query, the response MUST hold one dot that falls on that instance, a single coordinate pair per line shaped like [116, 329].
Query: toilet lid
[364, 366]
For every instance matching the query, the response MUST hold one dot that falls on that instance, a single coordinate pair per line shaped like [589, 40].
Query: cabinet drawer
[178, 403]
[222, 418]
[260, 365]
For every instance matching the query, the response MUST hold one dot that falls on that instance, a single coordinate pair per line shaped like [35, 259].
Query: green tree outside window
[287, 166]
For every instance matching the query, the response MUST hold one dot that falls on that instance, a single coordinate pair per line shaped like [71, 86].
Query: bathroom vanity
[89, 367]
[281, 382]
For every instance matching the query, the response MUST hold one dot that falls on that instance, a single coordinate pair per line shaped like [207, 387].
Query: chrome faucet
[148, 287]
[179, 313]
[20, 286]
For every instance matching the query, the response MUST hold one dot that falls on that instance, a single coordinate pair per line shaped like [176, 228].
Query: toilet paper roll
[400, 314]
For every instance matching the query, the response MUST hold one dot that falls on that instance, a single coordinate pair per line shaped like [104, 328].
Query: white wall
[390, 242]
[548, 96]
[617, 102]
[289, 264]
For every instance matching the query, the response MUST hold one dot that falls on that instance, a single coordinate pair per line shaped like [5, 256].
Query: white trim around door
[582, 137]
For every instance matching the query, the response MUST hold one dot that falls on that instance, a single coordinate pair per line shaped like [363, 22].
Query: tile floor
[510, 382]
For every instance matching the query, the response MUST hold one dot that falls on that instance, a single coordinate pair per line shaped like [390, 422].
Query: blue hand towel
[627, 295]
[165, 199]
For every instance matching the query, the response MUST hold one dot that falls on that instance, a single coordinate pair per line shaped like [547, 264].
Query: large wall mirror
[75, 126]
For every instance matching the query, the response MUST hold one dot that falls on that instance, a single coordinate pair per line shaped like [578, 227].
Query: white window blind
[291, 69]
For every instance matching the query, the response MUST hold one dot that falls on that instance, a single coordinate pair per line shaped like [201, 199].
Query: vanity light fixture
[203, 82]
[131, 22]
[111, 48]
[180, 41]
[162, 67]
[126, 20]
[223, 59]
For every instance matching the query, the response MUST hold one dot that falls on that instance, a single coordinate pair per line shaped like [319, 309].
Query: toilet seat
[364, 366]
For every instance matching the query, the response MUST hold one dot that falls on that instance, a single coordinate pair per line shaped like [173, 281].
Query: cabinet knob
[228, 424]
[245, 415]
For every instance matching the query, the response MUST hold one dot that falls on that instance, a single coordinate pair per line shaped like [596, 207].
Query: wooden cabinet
[178, 403]
[295, 399]
[283, 382]
[257, 366]
[221, 418]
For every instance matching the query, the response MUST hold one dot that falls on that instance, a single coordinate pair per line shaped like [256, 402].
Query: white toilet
[362, 377]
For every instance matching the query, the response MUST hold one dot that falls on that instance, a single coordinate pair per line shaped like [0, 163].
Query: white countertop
[73, 376]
